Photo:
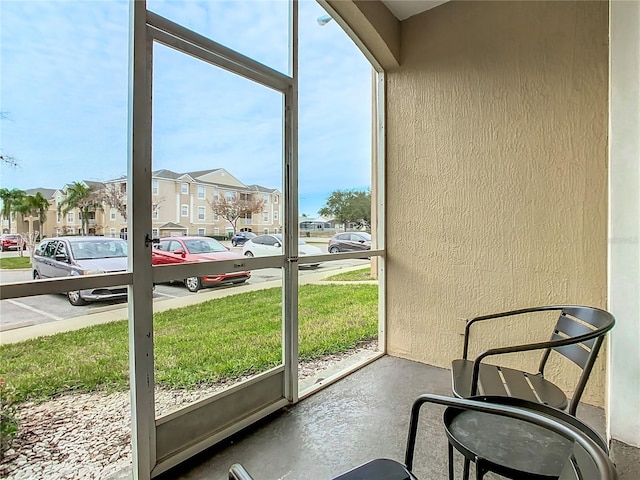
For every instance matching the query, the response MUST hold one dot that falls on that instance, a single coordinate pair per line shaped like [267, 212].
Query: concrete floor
[361, 417]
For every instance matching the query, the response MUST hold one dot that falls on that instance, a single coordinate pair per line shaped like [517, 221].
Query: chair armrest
[238, 472]
[511, 313]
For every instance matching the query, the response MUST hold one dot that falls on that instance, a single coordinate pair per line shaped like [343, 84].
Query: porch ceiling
[403, 9]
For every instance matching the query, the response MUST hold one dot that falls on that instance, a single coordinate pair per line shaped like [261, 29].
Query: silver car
[68, 256]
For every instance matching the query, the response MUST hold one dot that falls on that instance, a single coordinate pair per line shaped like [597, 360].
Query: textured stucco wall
[496, 173]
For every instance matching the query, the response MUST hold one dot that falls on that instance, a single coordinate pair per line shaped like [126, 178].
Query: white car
[264, 245]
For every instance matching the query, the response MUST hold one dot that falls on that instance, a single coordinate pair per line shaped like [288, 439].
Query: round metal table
[508, 446]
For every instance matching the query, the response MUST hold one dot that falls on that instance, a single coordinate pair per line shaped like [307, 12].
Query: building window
[216, 231]
[216, 194]
[184, 212]
[275, 199]
[216, 217]
[265, 231]
[155, 233]
[275, 215]
[154, 211]
[154, 187]
[201, 232]
[201, 192]
[265, 216]
[200, 213]
[265, 198]
[112, 213]
[112, 232]
[230, 196]
[59, 217]
[185, 188]
[70, 217]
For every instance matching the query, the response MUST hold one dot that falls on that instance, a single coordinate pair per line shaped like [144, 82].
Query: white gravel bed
[88, 436]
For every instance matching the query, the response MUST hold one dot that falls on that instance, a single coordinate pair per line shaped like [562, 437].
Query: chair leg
[465, 472]
[480, 470]
[451, 474]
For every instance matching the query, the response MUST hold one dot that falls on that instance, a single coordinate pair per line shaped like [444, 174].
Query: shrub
[8, 418]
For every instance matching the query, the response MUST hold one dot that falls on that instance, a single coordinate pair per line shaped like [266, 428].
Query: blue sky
[64, 84]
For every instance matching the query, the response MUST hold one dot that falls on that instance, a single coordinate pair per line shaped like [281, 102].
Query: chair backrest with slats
[575, 322]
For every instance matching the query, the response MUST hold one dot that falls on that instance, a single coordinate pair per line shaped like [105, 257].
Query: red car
[10, 241]
[172, 250]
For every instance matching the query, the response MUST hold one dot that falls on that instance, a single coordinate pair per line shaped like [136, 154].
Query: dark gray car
[68, 256]
[350, 242]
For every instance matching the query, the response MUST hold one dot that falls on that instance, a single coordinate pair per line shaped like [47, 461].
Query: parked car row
[70, 256]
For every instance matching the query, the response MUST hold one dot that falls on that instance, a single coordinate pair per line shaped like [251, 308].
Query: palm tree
[34, 206]
[9, 199]
[82, 197]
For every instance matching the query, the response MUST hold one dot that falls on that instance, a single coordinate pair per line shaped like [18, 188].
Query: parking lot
[27, 311]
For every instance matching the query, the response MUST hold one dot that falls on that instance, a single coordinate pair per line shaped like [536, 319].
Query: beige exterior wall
[497, 164]
[170, 201]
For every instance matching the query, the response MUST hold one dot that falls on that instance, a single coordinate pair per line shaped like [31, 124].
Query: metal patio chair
[585, 459]
[577, 335]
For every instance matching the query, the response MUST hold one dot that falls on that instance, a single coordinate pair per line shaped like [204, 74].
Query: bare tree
[155, 206]
[232, 208]
[7, 159]
[30, 240]
[113, 196]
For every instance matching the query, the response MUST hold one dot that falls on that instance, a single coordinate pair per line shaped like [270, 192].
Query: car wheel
[36, 275]
[248, 253]
[334, 249]
[75, 299]
[193, 284]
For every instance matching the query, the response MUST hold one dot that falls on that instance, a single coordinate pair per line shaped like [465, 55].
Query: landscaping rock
[88, 436]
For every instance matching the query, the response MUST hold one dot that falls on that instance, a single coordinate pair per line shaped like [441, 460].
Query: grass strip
[354, 275]
[12, 263]
[197, 345]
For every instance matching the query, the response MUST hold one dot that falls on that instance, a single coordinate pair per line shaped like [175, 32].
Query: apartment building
[182, 206]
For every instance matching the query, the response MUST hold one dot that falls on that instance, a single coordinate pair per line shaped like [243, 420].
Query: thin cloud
[65, 85]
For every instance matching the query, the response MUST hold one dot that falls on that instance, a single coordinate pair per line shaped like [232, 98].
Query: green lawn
[15, 262]
[201, 344]
[354, 275]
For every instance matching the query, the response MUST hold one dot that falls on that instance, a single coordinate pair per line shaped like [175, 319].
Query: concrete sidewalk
[120, 312]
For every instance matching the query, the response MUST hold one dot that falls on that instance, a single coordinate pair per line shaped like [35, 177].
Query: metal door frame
[162, 443]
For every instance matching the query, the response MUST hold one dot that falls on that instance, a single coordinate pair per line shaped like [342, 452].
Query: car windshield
[92, 249]
[204, 245]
